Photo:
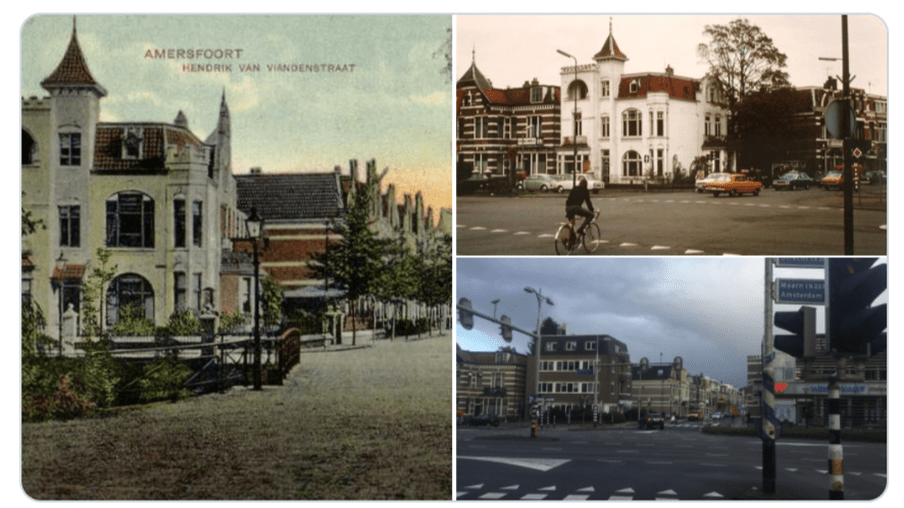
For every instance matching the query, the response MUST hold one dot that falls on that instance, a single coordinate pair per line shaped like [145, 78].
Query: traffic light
[466, 318]
[853, 327]
[505, 329]
[802, 324]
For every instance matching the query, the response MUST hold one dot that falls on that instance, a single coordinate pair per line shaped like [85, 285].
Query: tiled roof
[677, 88]
[72, 69]
[290, 196]
[610, 50]
[155, 139]
[69, 272]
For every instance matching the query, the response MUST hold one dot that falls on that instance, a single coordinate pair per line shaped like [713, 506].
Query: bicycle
[567, 239]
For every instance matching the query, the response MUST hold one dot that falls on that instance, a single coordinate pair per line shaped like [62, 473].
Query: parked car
[701, 184]
[793, 180]
[733, 184]
[485, 419]
[566, 183]
[716, 416]
[874, 177]
[652, 421]
[539, 182]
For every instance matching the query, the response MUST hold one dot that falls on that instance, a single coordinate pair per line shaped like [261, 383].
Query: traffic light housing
[853, 327]
[505, 329]
[466, 318]
[802, 325]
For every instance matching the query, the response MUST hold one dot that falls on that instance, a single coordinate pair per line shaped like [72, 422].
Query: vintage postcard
[236, 257]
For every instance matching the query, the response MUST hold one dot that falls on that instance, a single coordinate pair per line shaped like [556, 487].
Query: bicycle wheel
[564, 240]
[591, 237]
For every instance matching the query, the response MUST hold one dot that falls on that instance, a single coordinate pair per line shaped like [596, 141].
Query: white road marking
[576, 497]
[510, 487]
[538, 464]
[550, 488]
[493, 495]
[659, 247]
[535, 497]
[499, 231]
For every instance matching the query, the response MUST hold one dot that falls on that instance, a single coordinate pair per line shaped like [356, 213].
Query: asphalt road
[678, 463]
[789, 223]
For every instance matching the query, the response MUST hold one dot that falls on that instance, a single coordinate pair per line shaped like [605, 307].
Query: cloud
[437, 98]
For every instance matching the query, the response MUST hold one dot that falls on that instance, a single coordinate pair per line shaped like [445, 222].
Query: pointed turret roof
[223, 126]
[474, 76]
[73, 70]
[610, 49]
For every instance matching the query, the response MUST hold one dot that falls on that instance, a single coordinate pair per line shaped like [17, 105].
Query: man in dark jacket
[576, 198]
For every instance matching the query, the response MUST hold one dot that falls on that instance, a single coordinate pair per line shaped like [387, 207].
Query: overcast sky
[709, 311]
[510, 50]
[394, 105]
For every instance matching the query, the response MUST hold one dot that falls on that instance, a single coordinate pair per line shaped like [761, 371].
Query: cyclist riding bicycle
[578, 195]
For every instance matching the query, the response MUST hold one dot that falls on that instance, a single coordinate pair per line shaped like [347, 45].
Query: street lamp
[494, 302]
[574, 120]
[254, 225]
[540, 300]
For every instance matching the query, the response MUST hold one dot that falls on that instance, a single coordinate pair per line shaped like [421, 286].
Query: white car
[566, 183]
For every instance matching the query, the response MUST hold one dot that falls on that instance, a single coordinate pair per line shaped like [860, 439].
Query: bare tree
[742, 59]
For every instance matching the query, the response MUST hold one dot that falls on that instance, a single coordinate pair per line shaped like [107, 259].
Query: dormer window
[536, 94]
[132, 141]
[633, 85]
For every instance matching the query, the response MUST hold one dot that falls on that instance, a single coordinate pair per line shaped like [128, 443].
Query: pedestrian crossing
[551, 492]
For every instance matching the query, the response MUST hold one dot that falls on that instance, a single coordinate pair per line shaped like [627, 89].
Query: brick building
[490, 382]
[500, 131]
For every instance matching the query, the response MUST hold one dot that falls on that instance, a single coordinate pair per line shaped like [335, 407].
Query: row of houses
[167, 206]
[583, 371]
[627, 127]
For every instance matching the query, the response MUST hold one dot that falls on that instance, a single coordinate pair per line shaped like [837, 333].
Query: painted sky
[512, 49]
[709, 311]
[394, 105]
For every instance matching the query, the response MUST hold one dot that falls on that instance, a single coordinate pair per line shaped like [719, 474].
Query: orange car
[734, 184]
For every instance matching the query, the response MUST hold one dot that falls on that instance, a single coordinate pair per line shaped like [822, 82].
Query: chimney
[669, 71]
[256, 170]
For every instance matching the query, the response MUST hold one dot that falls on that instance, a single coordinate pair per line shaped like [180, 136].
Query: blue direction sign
[801, 262]
[804, 291]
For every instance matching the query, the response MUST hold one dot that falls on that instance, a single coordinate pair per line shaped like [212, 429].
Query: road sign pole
[768, 402]
[845, 118]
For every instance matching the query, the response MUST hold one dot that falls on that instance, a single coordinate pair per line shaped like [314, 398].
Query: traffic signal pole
[836, 454]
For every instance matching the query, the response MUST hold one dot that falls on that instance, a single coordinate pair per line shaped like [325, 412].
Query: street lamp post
[574, 120]
[255, 225]
[540, 300]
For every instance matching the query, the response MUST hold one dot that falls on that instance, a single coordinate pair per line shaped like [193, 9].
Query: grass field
[373, 423]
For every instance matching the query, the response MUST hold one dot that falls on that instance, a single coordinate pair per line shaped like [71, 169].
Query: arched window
[631, 164]
[129, 293]
[578, 87]
[632, 123]
[29, 148]
[130, 220]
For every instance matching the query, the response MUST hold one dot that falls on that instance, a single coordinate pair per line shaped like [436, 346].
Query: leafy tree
[397, 281]
[766, 130]
[354, 262]
[101, 274]
[549, 326]
[132, 322]
[742, 59]
[181, 323]
[445, 49]
[271, 301]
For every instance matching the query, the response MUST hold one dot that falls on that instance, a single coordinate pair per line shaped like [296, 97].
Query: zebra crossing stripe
[576, 497]
[510, 487]
[551, 487]
[621, 498]
[535, 497]
[493, 495]
[713, 494]
[477, 486]
[586, 489]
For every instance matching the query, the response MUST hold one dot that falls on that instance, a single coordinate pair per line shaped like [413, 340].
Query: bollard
[836, 455]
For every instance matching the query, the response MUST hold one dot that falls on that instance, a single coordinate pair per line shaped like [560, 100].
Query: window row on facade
[130, 221]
